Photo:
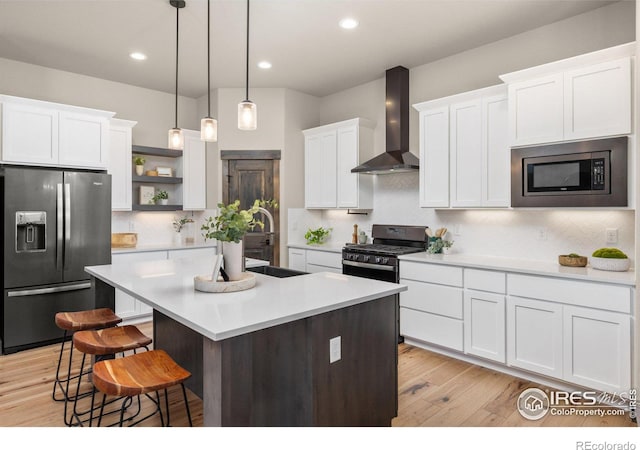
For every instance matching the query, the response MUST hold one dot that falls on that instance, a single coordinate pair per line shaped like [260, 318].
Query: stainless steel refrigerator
[55, 223]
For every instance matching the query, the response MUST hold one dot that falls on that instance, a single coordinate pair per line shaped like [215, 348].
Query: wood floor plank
[433, 390]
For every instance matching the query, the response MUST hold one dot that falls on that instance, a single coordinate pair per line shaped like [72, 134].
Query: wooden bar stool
[71, 322]
[142, 373]
[100, 344]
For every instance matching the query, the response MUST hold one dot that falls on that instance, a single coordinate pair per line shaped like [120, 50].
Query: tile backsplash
[156, 228]
[530, 234]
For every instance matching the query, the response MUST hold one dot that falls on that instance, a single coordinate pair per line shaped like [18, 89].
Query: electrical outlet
[335, 349]
[132, 225]
[456, 229]
[542, 234]
[611, 235]
[294, 225]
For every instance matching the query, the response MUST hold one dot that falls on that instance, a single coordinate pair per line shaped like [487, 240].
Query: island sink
[275, 271]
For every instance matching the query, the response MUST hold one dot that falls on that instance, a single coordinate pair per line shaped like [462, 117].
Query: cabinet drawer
[327, 259]
[431, 328]
[485, 280]
[580, 293]
[433, 298]
[431, 273]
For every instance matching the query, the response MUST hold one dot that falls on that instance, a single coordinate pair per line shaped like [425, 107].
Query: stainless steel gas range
[379, 260]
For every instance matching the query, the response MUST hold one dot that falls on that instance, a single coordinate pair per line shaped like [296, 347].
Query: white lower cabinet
[576, 331]
[313, 261]
[484, 325]
[597, 348]
[128, 307]
[298, 259]
[534, 336]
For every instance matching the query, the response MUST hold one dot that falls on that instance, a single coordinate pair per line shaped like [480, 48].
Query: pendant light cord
[247, 77]
[208, 59]
[177, 33]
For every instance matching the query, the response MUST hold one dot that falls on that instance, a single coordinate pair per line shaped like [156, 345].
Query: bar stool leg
[186, 403]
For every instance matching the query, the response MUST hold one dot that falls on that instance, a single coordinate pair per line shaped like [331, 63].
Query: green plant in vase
[317, 236]
[161, 196]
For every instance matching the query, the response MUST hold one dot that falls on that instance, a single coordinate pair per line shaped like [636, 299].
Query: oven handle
[368, 265]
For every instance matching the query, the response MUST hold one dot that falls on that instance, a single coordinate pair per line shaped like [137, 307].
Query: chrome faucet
[270, 219]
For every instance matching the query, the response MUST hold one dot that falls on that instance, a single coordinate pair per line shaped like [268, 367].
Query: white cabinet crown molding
[598, 56]
[489, 91]
[57, 106]
[358, 121]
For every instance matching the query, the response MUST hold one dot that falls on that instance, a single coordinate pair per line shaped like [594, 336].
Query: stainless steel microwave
[573, 174]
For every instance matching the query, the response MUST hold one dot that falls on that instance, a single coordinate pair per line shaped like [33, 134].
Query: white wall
[506, 233]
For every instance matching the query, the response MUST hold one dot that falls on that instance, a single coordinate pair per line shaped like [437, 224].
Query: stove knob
[365, 258]
[378, 259]
[356, 257]
[385, 260]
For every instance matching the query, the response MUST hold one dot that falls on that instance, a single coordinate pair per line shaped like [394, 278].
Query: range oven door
[372, 271]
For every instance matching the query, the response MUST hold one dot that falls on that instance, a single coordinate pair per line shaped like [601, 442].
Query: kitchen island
[311, 350]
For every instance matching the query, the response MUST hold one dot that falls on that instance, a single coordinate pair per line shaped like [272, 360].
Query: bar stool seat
[70, 322]
[105, 342]
[138, 374]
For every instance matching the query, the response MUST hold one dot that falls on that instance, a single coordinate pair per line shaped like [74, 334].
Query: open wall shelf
[156, 207]
[155, 151]
[156, 179]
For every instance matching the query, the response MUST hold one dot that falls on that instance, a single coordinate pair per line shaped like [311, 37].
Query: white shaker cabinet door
[597, 349]
[29, 134]
[84, 140]
[120, 164]
[434, 158]
[484, 325]
[598, 100]
[194, 166]
[320, 170]
[298, 259]
[534, 336]
[496, 153]
[347, 159]
[536, 111]
[466, 153]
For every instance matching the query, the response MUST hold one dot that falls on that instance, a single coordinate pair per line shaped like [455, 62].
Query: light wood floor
[434, 391]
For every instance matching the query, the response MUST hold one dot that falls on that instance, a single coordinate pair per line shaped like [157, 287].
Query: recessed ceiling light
[264, 65]
[348, 23]
[138, 56]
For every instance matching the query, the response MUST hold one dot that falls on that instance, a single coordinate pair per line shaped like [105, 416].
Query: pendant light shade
[247, 110]
[208, 125]
[176, 138]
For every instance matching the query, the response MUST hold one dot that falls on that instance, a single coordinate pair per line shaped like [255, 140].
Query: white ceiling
[309, 52]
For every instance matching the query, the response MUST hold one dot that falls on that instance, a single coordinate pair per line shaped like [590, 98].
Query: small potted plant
[139, 161]
[162, 197]
[446, 247]
[317, 236]
[612, 259]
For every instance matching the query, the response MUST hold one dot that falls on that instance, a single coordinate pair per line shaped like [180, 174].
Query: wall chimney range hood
[397, 157]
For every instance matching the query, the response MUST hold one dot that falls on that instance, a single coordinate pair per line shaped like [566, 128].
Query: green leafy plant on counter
[160, 195]
[574, 255]
[609, 253]
[179, 223]
[317, 236]
[138, 160]
[231, 223]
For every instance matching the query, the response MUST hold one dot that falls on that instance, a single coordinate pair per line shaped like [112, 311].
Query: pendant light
[176, 138]
[247, 110]
[208, 125]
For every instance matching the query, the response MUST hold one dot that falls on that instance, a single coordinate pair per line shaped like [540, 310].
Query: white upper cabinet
[464, 152]
[120, 163]
[52, 134]
[331, 151]
[194, 183]
[583, 97]
[434, 157]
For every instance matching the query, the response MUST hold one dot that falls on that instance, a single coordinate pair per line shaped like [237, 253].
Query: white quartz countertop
[167, 286]
[329, 247]
[161, 247]
[545, 268]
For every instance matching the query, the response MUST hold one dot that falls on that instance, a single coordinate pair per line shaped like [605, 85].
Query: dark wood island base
[281, 376]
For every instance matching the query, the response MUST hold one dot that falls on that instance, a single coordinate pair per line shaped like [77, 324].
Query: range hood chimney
[397, 157]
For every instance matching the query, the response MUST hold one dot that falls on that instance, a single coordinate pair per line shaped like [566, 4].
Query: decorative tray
[203, 283]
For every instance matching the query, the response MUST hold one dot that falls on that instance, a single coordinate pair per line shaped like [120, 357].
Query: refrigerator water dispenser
[31, 230]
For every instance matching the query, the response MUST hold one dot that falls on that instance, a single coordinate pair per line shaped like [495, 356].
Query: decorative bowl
[611, 264]
[572, 261]
[124, 240]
